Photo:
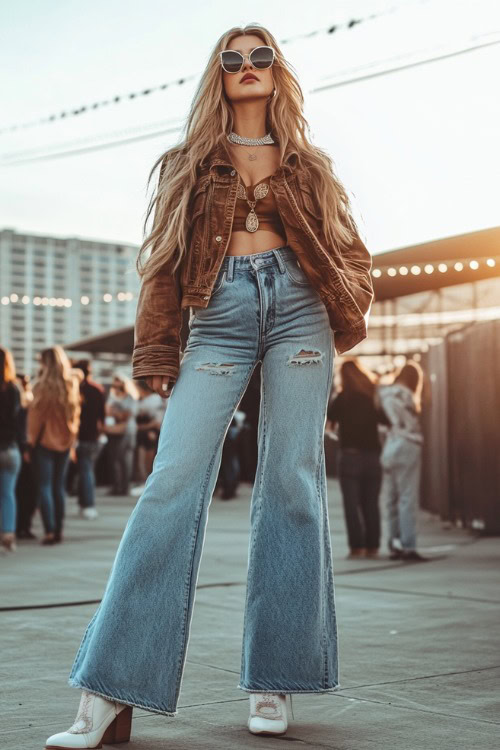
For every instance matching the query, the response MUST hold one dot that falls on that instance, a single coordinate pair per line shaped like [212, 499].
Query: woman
[237, 202]
[10, 455]
[360, 473]
[121, 429]
[52, 426]
[150, 412]
[401, 460]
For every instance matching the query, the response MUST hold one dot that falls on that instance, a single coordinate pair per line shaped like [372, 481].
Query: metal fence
[461, 416]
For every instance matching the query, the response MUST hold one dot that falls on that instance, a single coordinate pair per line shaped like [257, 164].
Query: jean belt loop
[230, 268]
[279, 258]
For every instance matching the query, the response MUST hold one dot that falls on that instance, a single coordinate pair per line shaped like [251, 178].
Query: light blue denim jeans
[10, 466]
[401, 491]
[263, 308]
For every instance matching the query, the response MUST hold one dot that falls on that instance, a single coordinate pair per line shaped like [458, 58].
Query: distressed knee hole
[306, 357]
[217, 368]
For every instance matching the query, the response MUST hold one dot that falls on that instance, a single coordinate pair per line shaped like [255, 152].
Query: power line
[404, 66]
[119, 98]
[141, 136]
[136, 134]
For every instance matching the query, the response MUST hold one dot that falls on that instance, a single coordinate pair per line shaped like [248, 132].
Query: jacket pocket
[199, 198]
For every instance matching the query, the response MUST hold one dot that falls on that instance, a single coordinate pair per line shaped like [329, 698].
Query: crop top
[265, 208]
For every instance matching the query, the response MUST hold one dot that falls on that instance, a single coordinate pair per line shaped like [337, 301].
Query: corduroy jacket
[342, 278]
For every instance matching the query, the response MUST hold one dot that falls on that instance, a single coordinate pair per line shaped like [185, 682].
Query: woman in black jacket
[360, 472]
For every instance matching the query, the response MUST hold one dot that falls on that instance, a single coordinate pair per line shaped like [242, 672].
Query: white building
[57, 290]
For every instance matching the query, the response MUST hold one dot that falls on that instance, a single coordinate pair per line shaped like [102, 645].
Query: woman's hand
[160, 384]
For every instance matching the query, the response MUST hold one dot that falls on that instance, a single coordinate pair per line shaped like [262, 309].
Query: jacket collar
[219, 156]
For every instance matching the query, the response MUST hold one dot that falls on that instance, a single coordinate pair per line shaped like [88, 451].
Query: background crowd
[66, 433]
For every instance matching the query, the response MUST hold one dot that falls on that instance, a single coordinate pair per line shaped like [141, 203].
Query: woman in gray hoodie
[401, 460]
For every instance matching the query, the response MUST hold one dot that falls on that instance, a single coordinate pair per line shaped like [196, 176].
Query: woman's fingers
[160, 384]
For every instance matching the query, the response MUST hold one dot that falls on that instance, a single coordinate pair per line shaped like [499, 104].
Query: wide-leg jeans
[262, 308]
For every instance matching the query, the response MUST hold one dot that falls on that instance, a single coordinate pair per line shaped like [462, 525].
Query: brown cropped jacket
[341, 278]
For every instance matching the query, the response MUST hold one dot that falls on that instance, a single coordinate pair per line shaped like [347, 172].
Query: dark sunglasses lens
[262, 57]
[232, 61]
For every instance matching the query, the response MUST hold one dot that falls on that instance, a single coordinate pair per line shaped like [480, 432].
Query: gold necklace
[259, 191]
[252, 156]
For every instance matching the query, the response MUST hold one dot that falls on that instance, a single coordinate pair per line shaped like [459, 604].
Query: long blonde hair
[7, 368]
[58, 385]
[210, 119]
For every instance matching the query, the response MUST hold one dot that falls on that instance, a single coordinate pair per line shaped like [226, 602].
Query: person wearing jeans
[121, 409]
[88, 447]
[253, 232]
[52, 427]
[360, 473]
[401, 460]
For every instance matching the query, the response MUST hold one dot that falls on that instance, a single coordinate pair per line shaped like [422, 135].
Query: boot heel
[120, 728]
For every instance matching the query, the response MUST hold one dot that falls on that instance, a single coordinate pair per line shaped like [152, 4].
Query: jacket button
[207, 296]
[233, 172]
[218, 238]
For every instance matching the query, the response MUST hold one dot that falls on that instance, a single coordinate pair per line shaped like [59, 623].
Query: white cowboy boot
[98, 720]
[267, 713]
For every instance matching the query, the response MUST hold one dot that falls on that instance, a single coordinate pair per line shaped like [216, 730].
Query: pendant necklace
[259, 191]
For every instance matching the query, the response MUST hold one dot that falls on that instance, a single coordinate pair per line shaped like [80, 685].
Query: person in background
[230, 468]
[10, 455]
[401, 460]
[360, 473]
[53, 422]
[88, 447]
[150, 411]
[26, 493]
[121, 429]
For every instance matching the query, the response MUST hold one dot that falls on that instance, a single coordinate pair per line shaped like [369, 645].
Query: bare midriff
[244, 243]
[251, 173]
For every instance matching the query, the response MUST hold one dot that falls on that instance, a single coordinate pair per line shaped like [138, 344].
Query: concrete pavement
[418, 642]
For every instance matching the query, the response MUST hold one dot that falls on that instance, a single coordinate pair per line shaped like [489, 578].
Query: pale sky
[417, 149]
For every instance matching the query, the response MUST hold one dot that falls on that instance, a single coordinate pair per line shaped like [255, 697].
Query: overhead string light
[416, 269]
[120, 98]
[44, 301]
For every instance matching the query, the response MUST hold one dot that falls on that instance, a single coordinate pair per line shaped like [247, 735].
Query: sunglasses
[260, 57]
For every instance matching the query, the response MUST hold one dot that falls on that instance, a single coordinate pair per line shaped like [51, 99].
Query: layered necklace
[242, 141]
[261, 190]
